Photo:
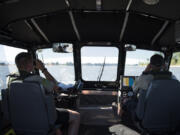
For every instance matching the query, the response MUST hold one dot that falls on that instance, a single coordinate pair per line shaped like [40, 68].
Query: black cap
[157, 60]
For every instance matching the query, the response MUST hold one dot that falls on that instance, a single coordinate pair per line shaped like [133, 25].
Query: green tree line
[175, 59]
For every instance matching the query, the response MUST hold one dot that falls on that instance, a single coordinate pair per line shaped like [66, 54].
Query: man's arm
[51, 78]
[40, 65]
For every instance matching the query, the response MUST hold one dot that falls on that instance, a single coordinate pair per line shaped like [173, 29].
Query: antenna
[102, 70]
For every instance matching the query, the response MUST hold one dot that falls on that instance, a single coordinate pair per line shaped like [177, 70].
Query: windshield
[136, 61]
[175, 65]
[99, 63]
[60, 65]
[7, 64]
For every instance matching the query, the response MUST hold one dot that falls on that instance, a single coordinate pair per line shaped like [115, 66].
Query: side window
[99, 63]
[60, 65]
[175, 65]
[7, 64]
[136, 61]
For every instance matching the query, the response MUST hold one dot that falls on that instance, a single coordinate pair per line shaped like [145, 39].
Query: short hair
[157, 60]
[22, 59]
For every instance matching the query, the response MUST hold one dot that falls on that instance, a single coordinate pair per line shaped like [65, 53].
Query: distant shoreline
[175, 66]
[88, 65]
[146, 65]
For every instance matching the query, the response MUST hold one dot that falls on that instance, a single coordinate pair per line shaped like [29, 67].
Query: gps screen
[127, 81]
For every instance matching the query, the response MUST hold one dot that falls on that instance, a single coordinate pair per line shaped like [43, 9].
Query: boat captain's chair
[31, 111]
[158, 108]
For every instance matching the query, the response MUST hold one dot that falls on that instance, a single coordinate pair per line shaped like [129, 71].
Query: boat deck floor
[100, 120]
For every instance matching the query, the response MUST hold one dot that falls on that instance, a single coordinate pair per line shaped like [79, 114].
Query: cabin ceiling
[38, 23]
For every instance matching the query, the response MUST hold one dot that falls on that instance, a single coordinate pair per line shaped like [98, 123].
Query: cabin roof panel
[22, 31]
[141, 29]
[57, 27]
[106, 4]
[94, 26]
[138, 24]
[27, 8]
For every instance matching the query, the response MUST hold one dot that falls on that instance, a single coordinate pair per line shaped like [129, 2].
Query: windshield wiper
[102, 70]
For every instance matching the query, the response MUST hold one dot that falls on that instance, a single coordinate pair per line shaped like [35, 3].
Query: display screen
[127, 81]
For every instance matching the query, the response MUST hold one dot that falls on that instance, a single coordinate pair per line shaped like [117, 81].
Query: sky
[89, 55]
[8, 53]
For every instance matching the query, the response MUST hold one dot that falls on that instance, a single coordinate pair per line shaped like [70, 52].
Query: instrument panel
[126, 84]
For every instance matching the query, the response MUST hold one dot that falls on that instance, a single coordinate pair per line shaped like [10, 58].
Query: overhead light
[151, 2]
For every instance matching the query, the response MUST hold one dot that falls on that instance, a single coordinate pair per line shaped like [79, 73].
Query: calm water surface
[64, 73]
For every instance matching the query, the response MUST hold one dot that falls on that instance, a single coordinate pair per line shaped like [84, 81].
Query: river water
[64, 73]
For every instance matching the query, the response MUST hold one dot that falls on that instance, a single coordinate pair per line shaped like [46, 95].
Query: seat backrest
[4, 104]
[140, 108]
[31, 111]
[161, 108]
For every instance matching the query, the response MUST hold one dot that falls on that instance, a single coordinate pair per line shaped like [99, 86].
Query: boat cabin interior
[109, 43]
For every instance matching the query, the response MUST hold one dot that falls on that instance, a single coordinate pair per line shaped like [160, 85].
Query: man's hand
[40, 65]
[148, 68]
